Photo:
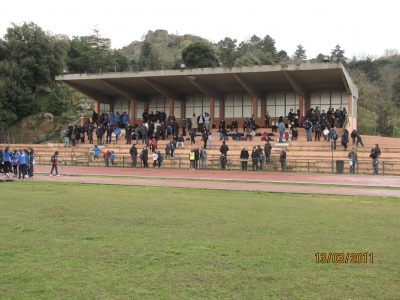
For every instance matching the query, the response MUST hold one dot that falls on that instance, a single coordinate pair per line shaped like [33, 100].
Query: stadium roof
[214, 82]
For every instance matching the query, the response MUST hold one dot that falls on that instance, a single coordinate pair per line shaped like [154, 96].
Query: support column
[221, 109]
[350, 105]
[133, 112]
[301, 105]
[307, 103]
[97, 109]
[263, 110]
[255, 107]
[183, 110]
[212, 104]
[97, 106]
[171, 107]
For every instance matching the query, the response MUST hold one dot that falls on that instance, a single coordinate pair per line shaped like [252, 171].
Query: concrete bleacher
[315, 156]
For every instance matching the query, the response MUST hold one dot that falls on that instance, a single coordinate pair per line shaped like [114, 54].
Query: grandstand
[302, 156]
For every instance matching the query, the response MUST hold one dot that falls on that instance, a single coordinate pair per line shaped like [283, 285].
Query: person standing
[244, 156]
[375, 164]
[6, 161]
[207, 119]
[317, 129]
[282, 159]
[266, 119]
[183, 126]
[95, 116]
[54, 164]
[267, 150]
[192, 134]
[281, 127]
[200, 121]
[133, 152]
[353, 160]
[345, 139]
[308, 127]
[197, 157]
[224, 149]
[204, 137]
[31, 162]
[109, 130]
[145, 157]
[210, 139]
[194, 122]
[112, 158]
[192, 159]
[90, 133]
[262, 159]
[334, 136]
[203, 158]
[255, 156]
[68, 133]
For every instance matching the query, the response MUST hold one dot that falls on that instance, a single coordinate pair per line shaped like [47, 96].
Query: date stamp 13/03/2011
[344, 258]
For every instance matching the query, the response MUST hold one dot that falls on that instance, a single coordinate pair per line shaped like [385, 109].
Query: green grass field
[74, 241]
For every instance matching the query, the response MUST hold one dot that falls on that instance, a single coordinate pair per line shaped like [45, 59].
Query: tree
[89, 54]
[227, 52]
[269, 46]
[337, 55]
[282, 54]
[248, 60]
[255, 42]
[37, 52]
[200, 55]
[300, 54]
[15, 96]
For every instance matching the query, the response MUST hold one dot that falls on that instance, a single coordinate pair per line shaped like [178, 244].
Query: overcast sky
[359, 27]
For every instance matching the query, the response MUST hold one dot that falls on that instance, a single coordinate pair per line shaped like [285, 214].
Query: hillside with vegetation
[31, 57]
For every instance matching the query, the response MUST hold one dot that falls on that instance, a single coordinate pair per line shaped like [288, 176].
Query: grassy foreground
[73, 241]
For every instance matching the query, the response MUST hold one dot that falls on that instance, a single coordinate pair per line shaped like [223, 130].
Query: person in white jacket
[210, 140]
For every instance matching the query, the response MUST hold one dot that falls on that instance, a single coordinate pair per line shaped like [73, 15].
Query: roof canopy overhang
[213, 82]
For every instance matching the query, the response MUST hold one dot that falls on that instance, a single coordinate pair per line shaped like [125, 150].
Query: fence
[213, 162]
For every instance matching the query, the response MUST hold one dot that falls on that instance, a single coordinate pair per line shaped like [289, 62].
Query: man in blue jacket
[6, 162]
[281, 127]
[125, 119]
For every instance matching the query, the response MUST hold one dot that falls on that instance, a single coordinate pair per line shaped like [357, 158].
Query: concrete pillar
[263, 110]
[183, 110]
[307, 103]
[97, 109]
[212, 104]
[171, 106]
[221, 109]
[97, 106]
[133, 111]
[255, 107]
[349, 107]
[301, 105]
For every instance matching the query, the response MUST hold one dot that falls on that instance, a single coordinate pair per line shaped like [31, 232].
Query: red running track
[135, 177]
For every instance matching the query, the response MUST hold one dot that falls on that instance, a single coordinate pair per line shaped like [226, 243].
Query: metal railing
[386, 167]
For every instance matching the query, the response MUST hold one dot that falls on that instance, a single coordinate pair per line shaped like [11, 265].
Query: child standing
[376, 166]
[155, 158]
[15, 161]
[287, 135]
[159, 159]
[112, 157]
[262, 159]
[326, 134]
[192, 159]
[117, 132]
[210, 140]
